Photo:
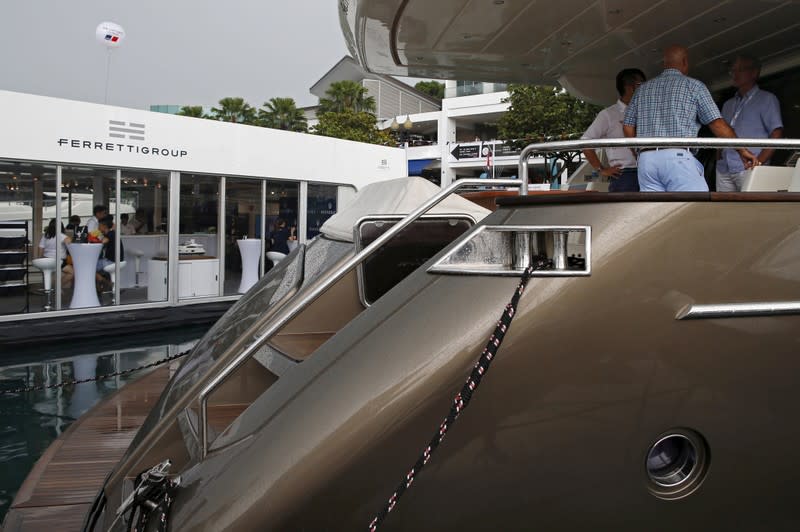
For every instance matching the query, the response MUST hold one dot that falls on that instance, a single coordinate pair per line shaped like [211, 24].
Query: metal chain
[95, 379]
[463, 397]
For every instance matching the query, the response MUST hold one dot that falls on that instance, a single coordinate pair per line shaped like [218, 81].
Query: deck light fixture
[408, 124]
[394, 125]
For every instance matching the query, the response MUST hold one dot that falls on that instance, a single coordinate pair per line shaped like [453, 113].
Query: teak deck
[64, 482]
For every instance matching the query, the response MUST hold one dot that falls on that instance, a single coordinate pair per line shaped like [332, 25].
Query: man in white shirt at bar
[621, 170]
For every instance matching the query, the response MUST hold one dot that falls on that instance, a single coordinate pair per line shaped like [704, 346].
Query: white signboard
[38, 128]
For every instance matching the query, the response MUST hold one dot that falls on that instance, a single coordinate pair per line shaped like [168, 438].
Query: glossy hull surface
[593, 371]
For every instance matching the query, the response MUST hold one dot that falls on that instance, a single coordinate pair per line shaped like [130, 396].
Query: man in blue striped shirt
[675, 105]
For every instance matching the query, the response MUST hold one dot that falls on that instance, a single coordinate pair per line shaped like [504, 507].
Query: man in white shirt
[98, 213]
[621, 170]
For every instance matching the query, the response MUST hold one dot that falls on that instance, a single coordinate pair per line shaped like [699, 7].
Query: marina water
[30, 422]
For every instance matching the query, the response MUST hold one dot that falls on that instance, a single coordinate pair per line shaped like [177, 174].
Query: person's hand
[611, 171]
[750, 161]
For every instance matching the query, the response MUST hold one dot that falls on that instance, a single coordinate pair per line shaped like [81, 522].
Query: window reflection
[199, 259]
[25, 210]
[143, 233]
[243, 213]
[89, 198]
[281, 219]
[322, 204]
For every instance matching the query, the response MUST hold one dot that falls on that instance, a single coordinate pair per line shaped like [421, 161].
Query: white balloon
[110, 34]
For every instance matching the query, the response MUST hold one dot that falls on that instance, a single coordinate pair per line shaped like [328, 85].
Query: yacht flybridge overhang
[580, 44]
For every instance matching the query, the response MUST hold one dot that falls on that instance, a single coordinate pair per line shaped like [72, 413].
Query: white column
[37, 222]
[117, 236]
[173, 237]
[221, 236]
[59, 258]
[263, 226]
[302, 212]
[447, 139]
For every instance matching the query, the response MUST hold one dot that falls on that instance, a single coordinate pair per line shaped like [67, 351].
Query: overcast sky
[180, 52]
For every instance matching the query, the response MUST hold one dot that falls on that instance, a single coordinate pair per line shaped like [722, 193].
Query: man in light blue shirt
[675, 105]
[752, 113]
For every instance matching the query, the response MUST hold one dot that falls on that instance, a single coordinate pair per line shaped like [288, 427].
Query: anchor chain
[97, 378]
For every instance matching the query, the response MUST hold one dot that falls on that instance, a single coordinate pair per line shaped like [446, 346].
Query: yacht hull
[593, 372]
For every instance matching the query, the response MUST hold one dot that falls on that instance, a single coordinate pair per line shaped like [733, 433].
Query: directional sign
[472, 151]
[481, 150]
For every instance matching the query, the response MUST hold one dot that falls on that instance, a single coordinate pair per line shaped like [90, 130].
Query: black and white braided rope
[462, 399]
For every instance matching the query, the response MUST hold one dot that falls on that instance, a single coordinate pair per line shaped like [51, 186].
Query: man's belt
[642, 150]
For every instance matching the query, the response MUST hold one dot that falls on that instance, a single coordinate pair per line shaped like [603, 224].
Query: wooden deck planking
[55, 518]
[63, 483]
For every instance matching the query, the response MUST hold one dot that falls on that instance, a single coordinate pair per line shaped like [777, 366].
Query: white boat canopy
[395, 197]
[579, 44]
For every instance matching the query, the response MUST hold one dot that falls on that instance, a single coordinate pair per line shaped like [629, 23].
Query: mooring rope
[462, 399]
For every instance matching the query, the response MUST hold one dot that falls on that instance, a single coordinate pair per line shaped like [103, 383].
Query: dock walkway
[63, 483]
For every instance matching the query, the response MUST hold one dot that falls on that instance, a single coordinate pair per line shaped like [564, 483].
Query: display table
[156, 245]
[198, 276]
[251, 253]
[84, 262]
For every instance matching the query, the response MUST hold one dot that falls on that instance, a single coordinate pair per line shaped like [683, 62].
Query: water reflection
[30, 422]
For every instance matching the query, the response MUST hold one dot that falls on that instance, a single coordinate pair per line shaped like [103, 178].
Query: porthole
[676, 464]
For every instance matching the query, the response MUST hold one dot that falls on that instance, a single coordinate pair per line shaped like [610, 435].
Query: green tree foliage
[195, 111]
[282, 113]
[346, 96]
[431, 88]
[351, 125]
[234, 110]
[539, 114]
[544, 113]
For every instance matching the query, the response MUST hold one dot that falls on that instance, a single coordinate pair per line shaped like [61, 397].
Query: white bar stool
[48, 266]
[274, 257]
[137, 253]
[112, 271]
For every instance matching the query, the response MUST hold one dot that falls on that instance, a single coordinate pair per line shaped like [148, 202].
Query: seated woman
[48, 244]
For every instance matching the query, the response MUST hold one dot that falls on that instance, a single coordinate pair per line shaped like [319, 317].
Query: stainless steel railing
[643, 142]
[302, 300]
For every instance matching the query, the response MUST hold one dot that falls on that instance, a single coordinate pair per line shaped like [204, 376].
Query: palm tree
[346, 95]
[195, 111]
[234, 110]
[282, 113]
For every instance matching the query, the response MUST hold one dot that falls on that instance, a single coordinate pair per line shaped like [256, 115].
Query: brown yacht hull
[593, 371]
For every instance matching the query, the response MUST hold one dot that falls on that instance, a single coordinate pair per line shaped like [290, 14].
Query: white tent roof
[396, 196]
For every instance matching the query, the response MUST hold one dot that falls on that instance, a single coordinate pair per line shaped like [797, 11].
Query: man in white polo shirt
[621, 169]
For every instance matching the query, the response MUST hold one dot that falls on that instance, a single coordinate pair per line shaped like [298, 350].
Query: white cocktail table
[251, 253]
[84, 261]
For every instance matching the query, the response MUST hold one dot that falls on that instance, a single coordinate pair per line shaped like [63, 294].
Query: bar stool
[112, 271]
[138, 263]
[48, 266]
[274, 257]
